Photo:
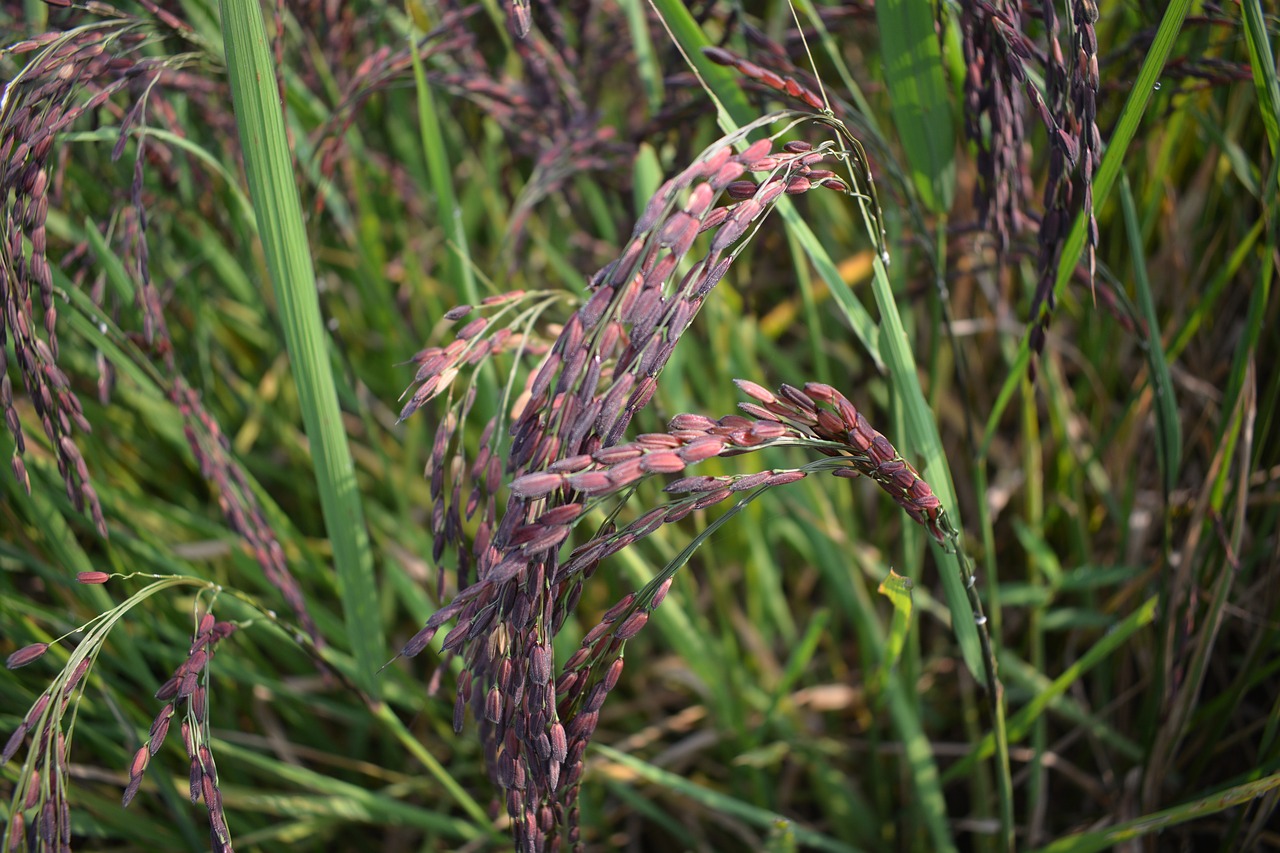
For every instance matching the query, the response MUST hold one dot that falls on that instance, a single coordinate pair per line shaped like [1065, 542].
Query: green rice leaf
[897, 589]
[918, 97]
[274, 192]
[717, 801]
[923, 445]
[1168, 424]
[1114, 836]
[1263, 63]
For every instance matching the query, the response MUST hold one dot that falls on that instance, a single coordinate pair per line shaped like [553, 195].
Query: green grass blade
[864, 327]
[897, 589]
[646, 63]
[832, 50]
[1021, 674]
[1020, 723]
[458, 260]
[274, 193]
[109, 135]
[1263, 62]
[717, 801]
[352, 801]
[1112, 837]
[117, 276]
[923, 443]
[918, 97]
[1168, 426]
[646, 177]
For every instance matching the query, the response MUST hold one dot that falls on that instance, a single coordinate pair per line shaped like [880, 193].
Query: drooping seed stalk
[565, 456]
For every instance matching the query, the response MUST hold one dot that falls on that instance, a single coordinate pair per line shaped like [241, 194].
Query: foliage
[1008, 267]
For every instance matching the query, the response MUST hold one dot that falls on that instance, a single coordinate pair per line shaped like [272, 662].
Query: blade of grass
[924, 442]
[836, 58]
[112, 266]
[273, 189]
[1110, 838]
[1021, 674]
[864, 118]
[812, 316]
[901, 369]
[957, 578]
[457, 258]
[653, 811]
[1020, 723]
[333, 797]
[1168, 426]
[646, 177]
[897, 589]
[918, 97]
[109, 135]
[1263, 63]
[646, 63]
[1204, 307]
[929, 804]
[717, 801]
[1042, 571]
[1185, 692]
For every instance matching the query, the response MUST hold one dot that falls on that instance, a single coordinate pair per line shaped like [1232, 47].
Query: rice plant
[638, 426]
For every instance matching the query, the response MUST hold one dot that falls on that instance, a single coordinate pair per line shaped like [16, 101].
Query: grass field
[639, 426]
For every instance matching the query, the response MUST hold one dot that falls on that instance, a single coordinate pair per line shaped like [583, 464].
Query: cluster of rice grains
[43, 782]
[37, 105]
[998, 53]
[188, 687]
[548, 111]
[70, 75]
[993, 44]
[566, 458]
[41, 788]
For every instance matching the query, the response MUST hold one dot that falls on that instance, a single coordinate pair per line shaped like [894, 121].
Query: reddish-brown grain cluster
[779, 57]
[378, 69]
[41, 815]
[787, 85]
[68, 75]
[993, 47]
[1071, 88]
[566, 456]
[586, 478]
[188, 688]
[545, 104]
[1084, 95]
[624, 334]
[817, 417]
[864, 185]
[37, 105]
[474, 343]
[237, 501]
[998, 51]
[439, 368]
[603, 365]
[565, 452]
[824, 413]
[43, 785]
